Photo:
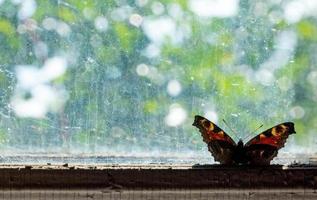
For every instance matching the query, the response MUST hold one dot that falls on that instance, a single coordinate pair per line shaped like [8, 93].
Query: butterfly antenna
[252, 132]
[235, 133]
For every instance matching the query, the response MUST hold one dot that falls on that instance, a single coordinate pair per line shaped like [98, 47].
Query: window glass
[126, 78]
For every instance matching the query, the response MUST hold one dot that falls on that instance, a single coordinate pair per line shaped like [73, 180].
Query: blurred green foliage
[249, 68]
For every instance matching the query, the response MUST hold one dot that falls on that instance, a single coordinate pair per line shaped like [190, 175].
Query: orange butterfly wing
[275, 136]
[261, 149]
[219, 143]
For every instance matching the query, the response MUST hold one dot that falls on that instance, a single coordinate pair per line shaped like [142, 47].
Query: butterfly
[260, 150]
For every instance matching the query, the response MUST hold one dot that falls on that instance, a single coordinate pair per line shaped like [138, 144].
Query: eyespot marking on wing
[207, 125]
[275, 136]
[279, 130]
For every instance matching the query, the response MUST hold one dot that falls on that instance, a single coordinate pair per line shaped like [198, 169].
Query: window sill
[118, 177]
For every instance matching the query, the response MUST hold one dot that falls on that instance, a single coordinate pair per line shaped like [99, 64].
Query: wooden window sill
[117, 177]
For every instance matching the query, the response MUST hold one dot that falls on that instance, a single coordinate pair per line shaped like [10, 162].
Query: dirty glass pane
[126, 78]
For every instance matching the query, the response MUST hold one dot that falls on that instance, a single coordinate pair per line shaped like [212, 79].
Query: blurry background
[126, 77]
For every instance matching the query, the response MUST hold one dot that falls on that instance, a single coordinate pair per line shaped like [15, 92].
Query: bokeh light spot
[101, 23]
[142, 70]
[174, 88]
[297, 112]
[176, 116]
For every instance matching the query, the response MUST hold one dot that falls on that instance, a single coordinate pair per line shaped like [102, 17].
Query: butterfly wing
[219, 143]
[261, 149]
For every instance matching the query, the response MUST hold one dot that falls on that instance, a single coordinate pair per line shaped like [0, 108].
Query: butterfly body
[239, 153]
[260, 150]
